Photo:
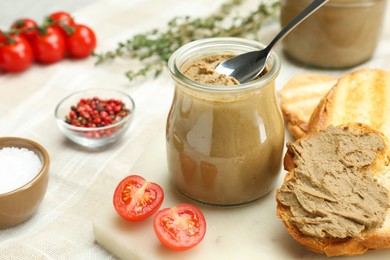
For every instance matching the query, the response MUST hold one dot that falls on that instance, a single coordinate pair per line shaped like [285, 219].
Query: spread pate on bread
[335, 197]
[331, 194]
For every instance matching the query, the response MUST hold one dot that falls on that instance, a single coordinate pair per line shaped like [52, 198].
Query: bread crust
[299, 96]
[318, 119]
[361, 96]
[297, 129]
[375, 239]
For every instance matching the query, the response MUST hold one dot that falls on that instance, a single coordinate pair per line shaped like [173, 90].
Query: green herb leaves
[153, 48]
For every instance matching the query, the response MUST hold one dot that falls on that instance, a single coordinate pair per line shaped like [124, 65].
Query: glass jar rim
[273, 63]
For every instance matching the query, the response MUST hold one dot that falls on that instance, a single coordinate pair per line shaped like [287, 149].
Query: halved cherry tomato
[27, 27]
[81, 42]
[49, 45]
[62, 21]
[181, 227]
[15, 54]
[136, 199]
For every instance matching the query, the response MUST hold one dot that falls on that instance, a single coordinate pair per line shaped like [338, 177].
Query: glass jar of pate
[224, 143]
[341, 34]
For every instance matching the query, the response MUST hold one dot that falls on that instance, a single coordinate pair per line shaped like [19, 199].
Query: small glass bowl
[93, 137]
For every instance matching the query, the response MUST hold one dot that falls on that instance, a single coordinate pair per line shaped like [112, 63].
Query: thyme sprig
[154, 47]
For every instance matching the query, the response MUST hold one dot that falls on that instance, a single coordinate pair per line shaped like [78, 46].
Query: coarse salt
[18, 166]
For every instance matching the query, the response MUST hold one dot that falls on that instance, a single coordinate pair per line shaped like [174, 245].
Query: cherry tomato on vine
[181, 227]
[26, 26]
[62, 17]
[81, 42]
[2, 37]
[136, 199]
[62, 21]
[15, 54]
[49, 45]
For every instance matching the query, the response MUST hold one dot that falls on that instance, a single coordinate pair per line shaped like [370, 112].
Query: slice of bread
[362, 96]
[300, 96]
[330, 198]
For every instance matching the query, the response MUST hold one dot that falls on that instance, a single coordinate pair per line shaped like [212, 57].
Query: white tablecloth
[81, 181]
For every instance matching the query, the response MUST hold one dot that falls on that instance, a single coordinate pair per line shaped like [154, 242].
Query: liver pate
[331, 194]
[203, 71]
[224, 144]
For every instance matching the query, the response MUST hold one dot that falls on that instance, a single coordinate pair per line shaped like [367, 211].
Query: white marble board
[251, 231]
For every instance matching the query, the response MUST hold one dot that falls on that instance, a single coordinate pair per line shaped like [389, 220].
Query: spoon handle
[297, 20]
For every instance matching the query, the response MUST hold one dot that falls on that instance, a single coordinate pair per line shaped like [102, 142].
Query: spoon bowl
[248, 66]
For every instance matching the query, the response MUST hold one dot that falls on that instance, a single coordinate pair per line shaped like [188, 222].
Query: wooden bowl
[20, 204]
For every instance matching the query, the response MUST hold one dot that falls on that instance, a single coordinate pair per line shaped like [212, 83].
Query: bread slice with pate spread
[335, 197]
[300, 96]
[362, 96]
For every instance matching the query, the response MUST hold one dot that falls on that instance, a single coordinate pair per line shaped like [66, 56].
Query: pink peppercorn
[95, 112]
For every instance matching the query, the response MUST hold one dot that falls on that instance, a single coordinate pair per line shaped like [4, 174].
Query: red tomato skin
[175, 213]
[49, 47]
[24, 25]
[122, 207]
[2, 38]
[81, 42]
[16, 56]
[61, 19]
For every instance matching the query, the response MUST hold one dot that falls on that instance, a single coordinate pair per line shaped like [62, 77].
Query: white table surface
[81, 181]
[15, 9]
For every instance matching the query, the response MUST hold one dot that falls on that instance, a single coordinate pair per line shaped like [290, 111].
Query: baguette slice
[362, 96]
[370, 238]
[300, 96]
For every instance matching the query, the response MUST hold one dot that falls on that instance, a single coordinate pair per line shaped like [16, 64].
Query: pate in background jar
[341, 34]
[224, 143]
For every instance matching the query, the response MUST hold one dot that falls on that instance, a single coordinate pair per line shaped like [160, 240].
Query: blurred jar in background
[341, 34]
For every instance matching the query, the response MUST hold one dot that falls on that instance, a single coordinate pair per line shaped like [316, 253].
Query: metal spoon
[249, 65]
